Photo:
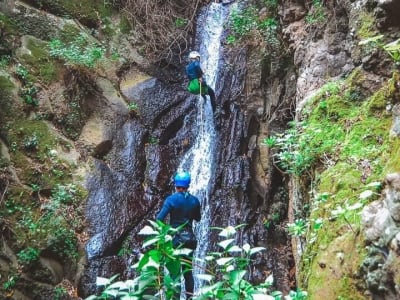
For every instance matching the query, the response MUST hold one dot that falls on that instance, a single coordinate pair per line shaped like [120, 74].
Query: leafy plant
[31, 142]
[392, 49]
[28, 255]
[63, 193]
[225, 274]
[298, 228]
[78, 52]
[179, 22]
[59, 292]
[132, 106]
[270, 141]
[4, 61]
[10, 283]
[317, 14]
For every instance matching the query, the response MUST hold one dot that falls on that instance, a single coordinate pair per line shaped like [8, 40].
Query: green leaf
[234, 248]
[224, 260]
[256, 249]
[150, 242]
[224, 244]
[236, 276]
[227, 231]
[147, 230]
[100, 281]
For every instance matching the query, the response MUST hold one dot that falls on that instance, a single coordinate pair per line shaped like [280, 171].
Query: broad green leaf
[366, 194]
[256, 249]
[150, 242]
[235, 248]
[147, 230]
[112, 293]
[236, 276]
[182, 251]
[227, 231]
[224, 260]
[224, 244]
[101, 281]
[151, 264]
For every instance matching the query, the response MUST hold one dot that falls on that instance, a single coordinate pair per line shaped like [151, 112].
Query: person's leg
[189, 281]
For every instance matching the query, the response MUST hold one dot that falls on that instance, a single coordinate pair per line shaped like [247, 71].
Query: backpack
[194, 87]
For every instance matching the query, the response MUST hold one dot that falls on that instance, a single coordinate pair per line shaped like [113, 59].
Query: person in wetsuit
[182, 208]
[197, 83]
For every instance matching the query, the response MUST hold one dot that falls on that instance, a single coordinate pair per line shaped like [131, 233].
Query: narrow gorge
[96, 119]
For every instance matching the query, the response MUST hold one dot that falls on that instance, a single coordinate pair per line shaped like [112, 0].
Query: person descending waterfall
[182, 208]
[197, 83]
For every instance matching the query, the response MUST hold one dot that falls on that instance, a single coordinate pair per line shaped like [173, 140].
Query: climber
[197, 84]
[182, 208]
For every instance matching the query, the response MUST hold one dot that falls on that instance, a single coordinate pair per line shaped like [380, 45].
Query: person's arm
[164, 211]
[197, 213]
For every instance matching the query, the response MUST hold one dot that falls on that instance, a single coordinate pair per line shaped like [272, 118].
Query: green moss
[124, 25]
[9, 110]
[366, 25]
[41, 66]
[88, 12]
[332, 273]
[391, 159]
[69, 33]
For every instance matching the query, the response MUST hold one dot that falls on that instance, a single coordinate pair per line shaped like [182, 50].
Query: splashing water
[199, 160]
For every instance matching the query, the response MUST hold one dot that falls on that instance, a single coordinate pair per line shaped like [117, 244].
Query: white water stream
[199, 160]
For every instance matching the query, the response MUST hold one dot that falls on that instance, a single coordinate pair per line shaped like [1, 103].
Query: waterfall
[199, 160]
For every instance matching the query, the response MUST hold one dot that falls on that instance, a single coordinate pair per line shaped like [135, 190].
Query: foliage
[28, 255]
[133, 106]
[225, 275]
[246, 21]
[298, 228]
[10, 283]
[79, 52]
[28, 90]
[392, 48]
[316, 15]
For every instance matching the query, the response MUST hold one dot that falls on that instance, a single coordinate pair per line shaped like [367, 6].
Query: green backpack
[194, 87]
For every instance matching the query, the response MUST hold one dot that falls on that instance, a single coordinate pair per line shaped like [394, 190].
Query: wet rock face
[127, 186]
[381, 222]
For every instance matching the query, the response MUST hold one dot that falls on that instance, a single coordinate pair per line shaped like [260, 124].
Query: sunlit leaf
[224, 244]
[366, 194]
[101, 281]
[147, 230]
[150, 242]
[224, 260]
[235, 248]
[256, 249]
[227, 231]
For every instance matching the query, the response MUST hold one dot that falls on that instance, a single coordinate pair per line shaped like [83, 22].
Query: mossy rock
[349, 179]
[332, 274]
[35, 55]
[89, 12]
[10, 107]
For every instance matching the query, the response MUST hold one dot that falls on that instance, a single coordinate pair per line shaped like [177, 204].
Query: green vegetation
[224, 276]
[392, 48]
[79, 52]
[316, 15]
[246, 21]
[28, 255]
[341, 144]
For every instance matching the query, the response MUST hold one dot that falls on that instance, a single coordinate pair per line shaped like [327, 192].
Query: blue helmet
[182, 179]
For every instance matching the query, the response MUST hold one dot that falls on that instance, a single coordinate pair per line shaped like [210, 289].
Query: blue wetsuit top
[193, 70]
[182, 207]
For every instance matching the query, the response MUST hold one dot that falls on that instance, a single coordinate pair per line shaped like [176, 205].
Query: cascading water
[200, 158]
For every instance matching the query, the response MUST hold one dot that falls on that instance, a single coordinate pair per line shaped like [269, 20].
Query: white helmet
[194, 55]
